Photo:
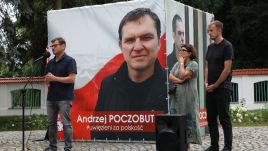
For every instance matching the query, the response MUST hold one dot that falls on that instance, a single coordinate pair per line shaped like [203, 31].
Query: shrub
[241, 114]
[14, 123]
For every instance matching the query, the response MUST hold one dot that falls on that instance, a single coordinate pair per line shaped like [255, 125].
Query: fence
[32, 98]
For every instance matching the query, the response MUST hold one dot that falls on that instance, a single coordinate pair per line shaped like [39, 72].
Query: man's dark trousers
[217, 104]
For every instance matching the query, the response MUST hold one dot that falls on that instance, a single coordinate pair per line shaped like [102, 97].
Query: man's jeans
[62, 107]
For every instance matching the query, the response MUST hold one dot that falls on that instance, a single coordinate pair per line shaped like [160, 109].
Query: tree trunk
[58, 4]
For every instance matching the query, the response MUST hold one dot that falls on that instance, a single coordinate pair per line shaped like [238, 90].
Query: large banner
[185, 24]
[109, 104]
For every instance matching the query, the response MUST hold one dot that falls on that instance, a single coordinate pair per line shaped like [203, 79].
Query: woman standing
[185, 99]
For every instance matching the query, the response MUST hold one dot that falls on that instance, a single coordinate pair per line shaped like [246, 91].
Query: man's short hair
[137, 14]
[174, 21]
[59, 39]
[218, 24]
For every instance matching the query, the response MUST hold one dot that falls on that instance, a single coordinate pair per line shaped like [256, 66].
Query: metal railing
[234, 93]
[261, 92]
[33, 98]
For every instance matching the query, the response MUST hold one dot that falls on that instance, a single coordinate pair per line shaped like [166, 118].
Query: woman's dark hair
[190, 48]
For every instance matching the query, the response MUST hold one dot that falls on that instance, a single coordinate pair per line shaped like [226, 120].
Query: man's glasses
[54, 45]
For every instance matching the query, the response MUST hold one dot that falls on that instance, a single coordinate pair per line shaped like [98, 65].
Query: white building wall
[6, 102]
[246, 89]
[3, 97]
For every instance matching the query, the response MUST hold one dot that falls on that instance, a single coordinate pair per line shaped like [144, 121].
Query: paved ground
[245, 139]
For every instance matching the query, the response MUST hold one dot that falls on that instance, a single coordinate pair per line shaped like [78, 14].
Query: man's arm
[224, 74]
[69, 79]
[206, 74]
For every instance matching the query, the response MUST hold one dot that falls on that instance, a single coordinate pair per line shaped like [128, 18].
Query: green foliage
[9, 53]
[14, 123]
[245, 25]
[240, 115]
[23, 34]
[24, 38]
[249, 34]
[206, 5]
[4, 71]
[79, 3]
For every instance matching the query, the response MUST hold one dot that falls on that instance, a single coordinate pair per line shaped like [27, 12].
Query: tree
[245, 25]
[9, 48]
[23, 34]
[32, 17]
[25, 38]
[250, 35]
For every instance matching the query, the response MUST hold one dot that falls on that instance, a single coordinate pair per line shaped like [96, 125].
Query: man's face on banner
[178, 35]
[140, 43]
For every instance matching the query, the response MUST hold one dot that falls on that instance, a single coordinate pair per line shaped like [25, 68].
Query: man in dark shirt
[218, 86]
[178, 37]
[60, 76]
[140, 82]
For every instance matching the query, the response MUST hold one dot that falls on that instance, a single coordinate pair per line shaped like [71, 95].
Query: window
[234, 95]
[33, 98]
[261, 92]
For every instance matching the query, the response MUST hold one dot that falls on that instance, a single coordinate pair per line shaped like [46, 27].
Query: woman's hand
[181, 59]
